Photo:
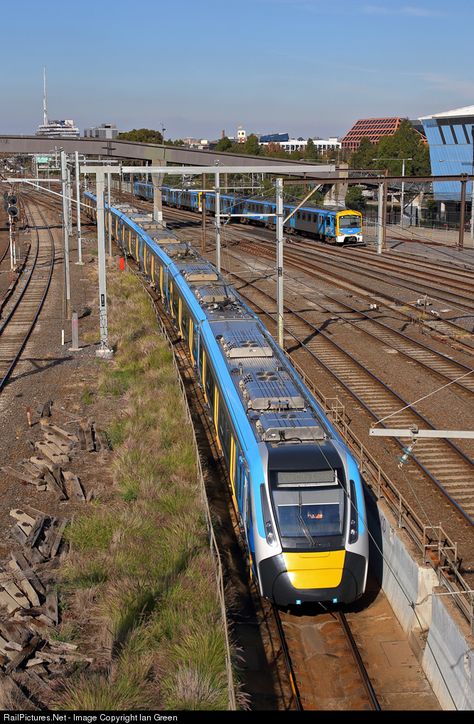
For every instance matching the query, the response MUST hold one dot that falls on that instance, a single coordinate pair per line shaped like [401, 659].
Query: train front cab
[320, 523]
[349, 228]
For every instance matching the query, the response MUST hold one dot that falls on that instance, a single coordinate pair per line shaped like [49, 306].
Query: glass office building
[450, 137]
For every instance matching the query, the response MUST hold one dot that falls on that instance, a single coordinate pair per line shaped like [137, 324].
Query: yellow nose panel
[315, 570]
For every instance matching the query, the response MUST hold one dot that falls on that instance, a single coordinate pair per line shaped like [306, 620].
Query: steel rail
[39, 307]
[287, 657]
[466, 301]
[359, 663]
[446, 329]
[458, 368]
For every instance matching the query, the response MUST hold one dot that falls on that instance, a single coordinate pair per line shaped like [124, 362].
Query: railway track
[337, 678]
[432, 360]
[329, 260]
[442, 461]
[21, 310]
[442, 329]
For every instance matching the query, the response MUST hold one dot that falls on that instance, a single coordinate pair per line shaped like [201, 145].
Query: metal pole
[384, 215]
[12, 265]
[472, 210]
[462, 215]
[402, 195]
[157, 198]
[279, 259]
[203, 209]
[67, 279]
[472, 185]
[104, 350]
[380, 220]
[109, 220]
[69, 202]
[14, 245]
[78, 211]
[218, 220]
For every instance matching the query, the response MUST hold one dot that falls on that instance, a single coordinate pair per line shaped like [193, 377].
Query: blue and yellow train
[294, 483]
[335, 226]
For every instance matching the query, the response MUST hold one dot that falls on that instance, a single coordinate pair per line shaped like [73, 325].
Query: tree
[355, 198]
[224, 144]
[363, 157]
[251, 145]
[141, 135]
[390, 151]
[274, 150]
[311, 151]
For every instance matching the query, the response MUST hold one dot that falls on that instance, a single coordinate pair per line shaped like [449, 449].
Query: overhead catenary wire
[420, 399]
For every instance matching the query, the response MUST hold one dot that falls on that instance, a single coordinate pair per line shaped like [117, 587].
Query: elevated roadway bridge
[147, 152]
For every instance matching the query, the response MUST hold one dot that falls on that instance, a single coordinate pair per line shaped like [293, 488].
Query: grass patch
[87, 397]
[92, 532]
[116, 432]
[142, 559]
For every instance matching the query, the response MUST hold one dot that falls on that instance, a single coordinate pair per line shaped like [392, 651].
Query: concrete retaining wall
[436, 629]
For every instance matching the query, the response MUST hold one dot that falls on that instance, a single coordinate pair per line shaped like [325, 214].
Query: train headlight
[269, 532]
[270, 535]
[353, 525]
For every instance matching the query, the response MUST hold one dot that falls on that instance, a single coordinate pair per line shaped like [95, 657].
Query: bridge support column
[157, 180]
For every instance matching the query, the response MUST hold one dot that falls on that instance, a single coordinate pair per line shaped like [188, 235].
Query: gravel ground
[49, 371]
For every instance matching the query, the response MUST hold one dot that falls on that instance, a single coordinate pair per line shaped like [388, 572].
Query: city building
[106, 131]
[200, 144]
[371, 128]
[55, 129]
[58, 129]
[451, 144]
[299, 144]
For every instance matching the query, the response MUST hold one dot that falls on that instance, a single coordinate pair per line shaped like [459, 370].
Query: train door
[180, 317]
[233, 468]
[191, 339]
[248, 522]
[204, 375]
[216, 416]
[162, 283]
[171, 299]
[327, 231]
[195, 343]
[240, 482]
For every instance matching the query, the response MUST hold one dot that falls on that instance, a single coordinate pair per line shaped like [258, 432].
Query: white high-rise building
[55, 129]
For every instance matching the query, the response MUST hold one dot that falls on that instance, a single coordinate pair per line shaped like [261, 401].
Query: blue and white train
[335, 226]
[294, 483]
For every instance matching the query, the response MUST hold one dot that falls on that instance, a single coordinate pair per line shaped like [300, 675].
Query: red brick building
[371, 128]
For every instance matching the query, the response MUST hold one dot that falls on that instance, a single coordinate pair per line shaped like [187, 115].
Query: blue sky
[310, 67]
